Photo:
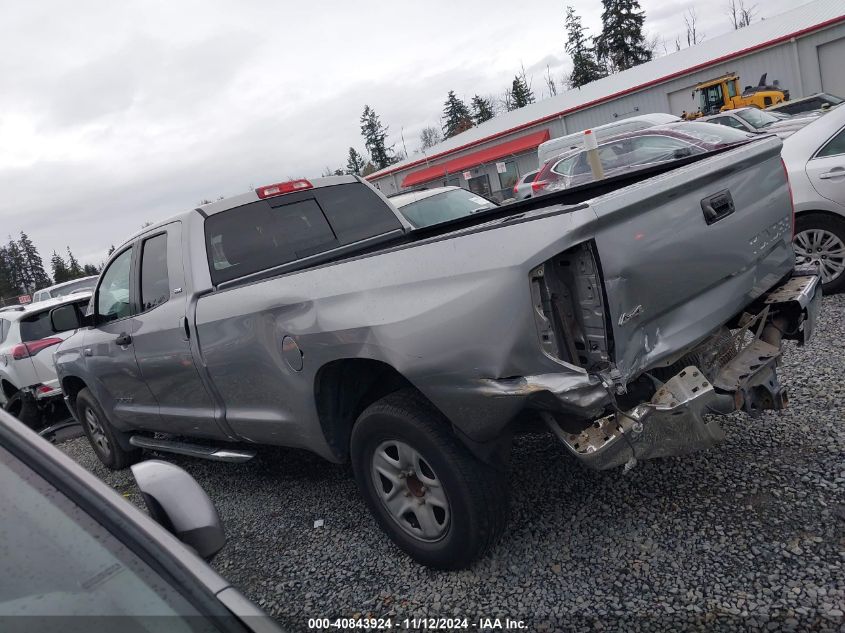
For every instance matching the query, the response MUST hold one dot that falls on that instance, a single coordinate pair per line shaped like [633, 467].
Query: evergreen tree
[482, 110]
[520, 94]
[36, 276]
[111, 250]
[60, 271]
[73, 267]
[16, 267]
[355, 163]
[369, 168]
[622, 44]
[374, 134]
[585, 66]
[457, 116]
[7, 287]
[90, 269]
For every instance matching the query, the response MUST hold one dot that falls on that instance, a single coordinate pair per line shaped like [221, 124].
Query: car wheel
[104, 438]
[434, 499]
[820, 241]
[23, 407]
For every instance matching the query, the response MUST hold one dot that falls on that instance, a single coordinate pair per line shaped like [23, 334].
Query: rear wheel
[820, 241]
[434, 499]
[104, 438]
[23, 407]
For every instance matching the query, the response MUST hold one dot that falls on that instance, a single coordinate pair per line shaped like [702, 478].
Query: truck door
[107, 348]
[162, 338]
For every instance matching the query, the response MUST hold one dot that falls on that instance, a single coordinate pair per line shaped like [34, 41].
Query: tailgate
[683, 252]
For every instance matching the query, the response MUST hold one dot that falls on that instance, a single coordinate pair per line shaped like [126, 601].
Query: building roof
[775, 30]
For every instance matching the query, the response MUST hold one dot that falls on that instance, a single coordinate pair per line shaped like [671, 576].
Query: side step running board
[213, 453]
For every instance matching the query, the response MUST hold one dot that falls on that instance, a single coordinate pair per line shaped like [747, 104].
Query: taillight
[268, 191]
[538, 185]
[25, 350]
[791, 199]
[515, 189]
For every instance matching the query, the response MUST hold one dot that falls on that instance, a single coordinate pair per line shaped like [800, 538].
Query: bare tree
[550, 82]
[429, 137]
[690, 20]
[739, 14]
[678, 43]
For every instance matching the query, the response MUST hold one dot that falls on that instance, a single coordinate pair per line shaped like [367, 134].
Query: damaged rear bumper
[675, 420]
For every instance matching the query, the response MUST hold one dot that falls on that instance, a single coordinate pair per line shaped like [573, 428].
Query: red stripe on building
[487, 155]
[648, 84]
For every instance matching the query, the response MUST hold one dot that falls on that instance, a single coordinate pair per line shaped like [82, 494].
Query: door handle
[836, 172]
[123, 339]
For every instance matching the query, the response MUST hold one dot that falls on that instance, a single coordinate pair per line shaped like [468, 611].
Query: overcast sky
[117, 113]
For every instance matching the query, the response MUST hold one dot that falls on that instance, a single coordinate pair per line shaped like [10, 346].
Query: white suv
[74, 286]
[29, 389]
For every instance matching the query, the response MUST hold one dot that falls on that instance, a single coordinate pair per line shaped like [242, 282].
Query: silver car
[522, 188]
[428, 207]
[762, 122]
[78, 557]
[815, 160]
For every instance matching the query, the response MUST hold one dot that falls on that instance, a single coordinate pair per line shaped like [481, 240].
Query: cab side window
[155, 284]
[113, 292]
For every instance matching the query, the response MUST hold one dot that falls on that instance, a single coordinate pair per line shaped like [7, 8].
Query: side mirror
[177, 502]
[66, 317]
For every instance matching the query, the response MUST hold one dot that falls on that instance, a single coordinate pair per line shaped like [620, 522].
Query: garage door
[681, 100]
[831, 58]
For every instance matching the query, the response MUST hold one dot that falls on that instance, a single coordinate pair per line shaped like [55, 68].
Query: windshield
[442, 207]
[757, 118]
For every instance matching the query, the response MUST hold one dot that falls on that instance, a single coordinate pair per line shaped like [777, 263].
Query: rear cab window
[268, 233]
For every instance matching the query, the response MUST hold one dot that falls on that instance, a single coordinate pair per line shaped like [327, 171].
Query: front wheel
[434, 499]
[104, 438]
[820, 241]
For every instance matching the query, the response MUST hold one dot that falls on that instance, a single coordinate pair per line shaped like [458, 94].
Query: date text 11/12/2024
[418, 624]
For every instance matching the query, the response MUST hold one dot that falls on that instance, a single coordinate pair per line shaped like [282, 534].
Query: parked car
[557, 146]
[760, 121]
[29, 388]
[815, 159]
[635, 150]
[76, 551]
[83, 284]
[439, 204]
[811, 104]
[313, 314]
[522, 188]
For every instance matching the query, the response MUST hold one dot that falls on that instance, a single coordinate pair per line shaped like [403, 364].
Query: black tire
[23, 407]
[830, 224]
[477, 493]
[106, 440]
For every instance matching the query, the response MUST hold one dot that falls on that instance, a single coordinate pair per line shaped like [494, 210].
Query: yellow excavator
[722, 93]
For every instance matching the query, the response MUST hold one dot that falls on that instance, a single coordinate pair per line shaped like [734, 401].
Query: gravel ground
[745, 536]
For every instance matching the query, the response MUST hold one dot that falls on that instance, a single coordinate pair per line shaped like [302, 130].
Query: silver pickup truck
[617, 315]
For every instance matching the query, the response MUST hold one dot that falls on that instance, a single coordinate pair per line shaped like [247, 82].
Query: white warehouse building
[803, 49]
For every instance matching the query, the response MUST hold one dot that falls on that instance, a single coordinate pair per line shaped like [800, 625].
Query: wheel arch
[8, 388]
[344, 388]
[71, 386]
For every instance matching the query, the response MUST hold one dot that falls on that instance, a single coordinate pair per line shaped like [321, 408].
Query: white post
[592, 148]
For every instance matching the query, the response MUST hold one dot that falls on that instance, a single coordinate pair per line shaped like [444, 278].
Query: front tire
[104, 438]
[820, 240]
[435, 500]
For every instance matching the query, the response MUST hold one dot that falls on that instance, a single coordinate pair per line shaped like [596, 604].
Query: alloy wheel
[823, 249]
[410, 490]
[98, 435]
